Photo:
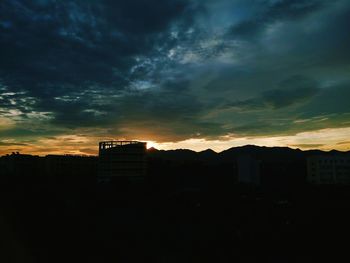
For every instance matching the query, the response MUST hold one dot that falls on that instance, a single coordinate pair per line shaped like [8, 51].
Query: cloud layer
[172, 70]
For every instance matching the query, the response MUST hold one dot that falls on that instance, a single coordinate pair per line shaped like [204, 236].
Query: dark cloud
[293, 9]
[19, 132]
[76, 42]
[12, 144]
[142, 16]
[294, 90]
[174, 69]
[54, 51]
[331, 100]
[268, 12]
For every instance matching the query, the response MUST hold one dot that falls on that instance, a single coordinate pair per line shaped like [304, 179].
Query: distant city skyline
[174, 73]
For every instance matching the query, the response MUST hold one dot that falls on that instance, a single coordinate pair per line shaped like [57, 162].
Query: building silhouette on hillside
[121, 159]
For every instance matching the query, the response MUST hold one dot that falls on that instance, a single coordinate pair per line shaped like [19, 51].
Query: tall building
[122, 159]
[248, 169]
[329, 169]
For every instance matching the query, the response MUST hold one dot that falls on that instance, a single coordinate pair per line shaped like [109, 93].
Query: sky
[191, 74]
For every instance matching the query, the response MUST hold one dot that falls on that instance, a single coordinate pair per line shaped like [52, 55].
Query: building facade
[122, 159]
[329, 169]
[248, 170]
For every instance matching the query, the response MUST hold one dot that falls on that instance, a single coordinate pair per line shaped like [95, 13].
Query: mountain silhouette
[259, 152]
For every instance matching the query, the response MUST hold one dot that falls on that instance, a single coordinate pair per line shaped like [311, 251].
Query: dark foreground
[145, 221]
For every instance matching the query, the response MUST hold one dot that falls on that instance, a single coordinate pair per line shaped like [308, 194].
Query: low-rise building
[329, 169]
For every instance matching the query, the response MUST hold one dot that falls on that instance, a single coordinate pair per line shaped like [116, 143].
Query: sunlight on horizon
[325, 139]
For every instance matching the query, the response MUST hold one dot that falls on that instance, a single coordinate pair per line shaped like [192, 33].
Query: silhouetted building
[50, 166]
[248, 169]
[70, 165]
[122, 159]
[17, 164]
[328, 169]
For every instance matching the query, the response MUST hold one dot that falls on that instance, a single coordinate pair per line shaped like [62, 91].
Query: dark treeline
[189, 208]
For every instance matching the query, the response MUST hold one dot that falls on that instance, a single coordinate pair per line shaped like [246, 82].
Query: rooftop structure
[122, 158]
[113, 144]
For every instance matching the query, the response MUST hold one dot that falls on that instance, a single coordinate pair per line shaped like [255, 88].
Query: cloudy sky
[178, 73]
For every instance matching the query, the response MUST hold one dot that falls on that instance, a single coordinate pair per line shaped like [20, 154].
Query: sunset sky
[191, 74]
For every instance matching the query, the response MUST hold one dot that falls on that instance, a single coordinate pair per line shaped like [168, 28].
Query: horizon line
[177, 149]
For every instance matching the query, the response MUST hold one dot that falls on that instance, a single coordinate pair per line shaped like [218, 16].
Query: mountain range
[258, 152]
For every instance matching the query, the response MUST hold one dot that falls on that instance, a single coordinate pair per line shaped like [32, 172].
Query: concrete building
[248, 169]
[329, 169]
[122, 159]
